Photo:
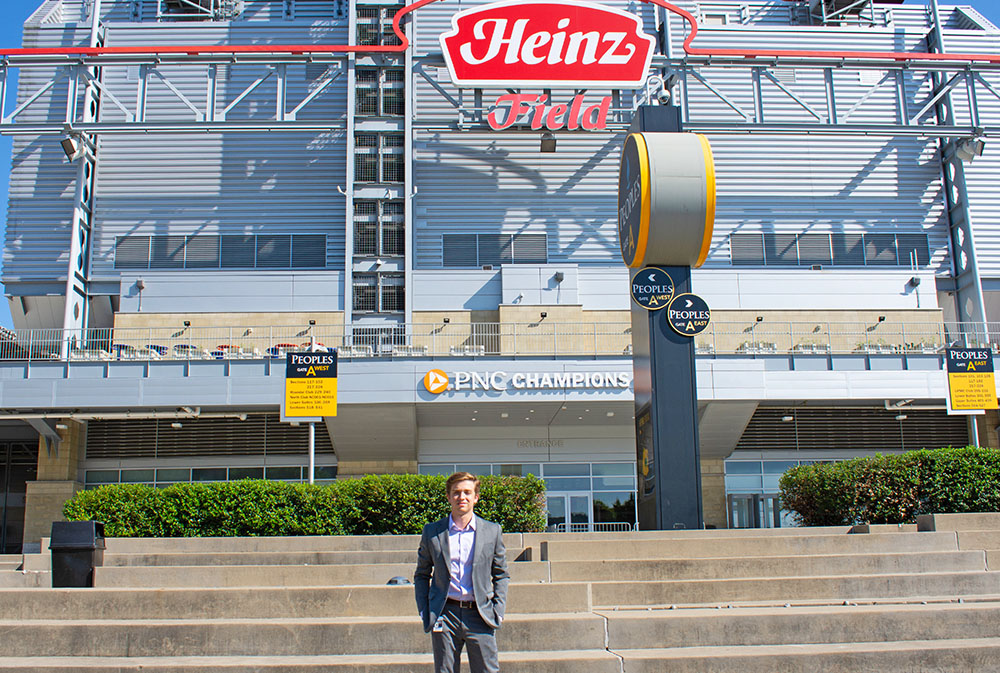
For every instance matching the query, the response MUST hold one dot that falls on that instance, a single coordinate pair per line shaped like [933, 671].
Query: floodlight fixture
[968, 149]
[548, 143]
[76, 145]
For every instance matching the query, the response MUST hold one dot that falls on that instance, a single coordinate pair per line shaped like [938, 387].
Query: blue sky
[14, 12]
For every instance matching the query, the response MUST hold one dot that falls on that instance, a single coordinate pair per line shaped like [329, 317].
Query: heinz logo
[547, 43]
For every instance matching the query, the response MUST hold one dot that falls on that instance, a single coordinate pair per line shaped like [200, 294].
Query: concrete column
[349, 469]
[713, 492]
[57, 481]
[986, 426]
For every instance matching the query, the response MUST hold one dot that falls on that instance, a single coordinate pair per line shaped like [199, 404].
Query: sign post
[666, 212]
[310, 393]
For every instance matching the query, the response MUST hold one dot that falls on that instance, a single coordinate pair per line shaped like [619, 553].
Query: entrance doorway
[755, 510]
[570, 512]
[18, 465]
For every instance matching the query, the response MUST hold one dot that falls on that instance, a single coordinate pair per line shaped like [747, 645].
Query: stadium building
[201, 186]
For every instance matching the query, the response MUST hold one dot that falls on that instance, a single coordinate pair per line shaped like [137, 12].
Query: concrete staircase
[890, 599]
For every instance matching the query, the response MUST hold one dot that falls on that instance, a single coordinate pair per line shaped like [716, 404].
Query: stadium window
[379, 157]
[379, 292]
[379, 92]
[379, 228]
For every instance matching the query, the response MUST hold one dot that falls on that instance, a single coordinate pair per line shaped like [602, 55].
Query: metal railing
[541, 338]
[607, 526]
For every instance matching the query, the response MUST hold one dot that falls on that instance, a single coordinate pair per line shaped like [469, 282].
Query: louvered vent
[259, 435]
[834, 429]
[848, 249]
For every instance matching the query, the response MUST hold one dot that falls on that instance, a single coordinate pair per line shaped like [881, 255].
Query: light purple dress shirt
[460, 543]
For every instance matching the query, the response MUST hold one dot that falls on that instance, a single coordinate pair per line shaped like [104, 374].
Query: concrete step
[561, 661]
[714, 547]
[219, 558]
[10, 560]
[289, 602]
[534, 539]
[177, 545]
[967, 655]
[737, 627]
[282, 575]
[959, 522]
[277, 637]
[765, 566]
[410, 542]
[16, 579]
[785, 589]
[979, 539]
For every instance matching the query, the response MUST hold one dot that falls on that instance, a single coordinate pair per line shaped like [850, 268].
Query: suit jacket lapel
[444, 541]
[476, 541]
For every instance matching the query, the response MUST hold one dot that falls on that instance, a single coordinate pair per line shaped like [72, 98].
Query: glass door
[18, 465]
[755, 510]
[570, 512]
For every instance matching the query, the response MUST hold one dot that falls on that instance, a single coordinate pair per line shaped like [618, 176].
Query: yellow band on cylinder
[643, 240]
[706, 242]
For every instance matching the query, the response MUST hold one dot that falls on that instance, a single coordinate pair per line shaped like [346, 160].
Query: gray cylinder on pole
[666, 199]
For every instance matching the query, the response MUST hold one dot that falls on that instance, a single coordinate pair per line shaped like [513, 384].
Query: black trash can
[77, 548]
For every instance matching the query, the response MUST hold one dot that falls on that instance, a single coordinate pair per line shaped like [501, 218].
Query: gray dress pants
[464, 626]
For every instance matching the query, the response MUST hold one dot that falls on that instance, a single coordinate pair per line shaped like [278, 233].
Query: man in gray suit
[461, 581]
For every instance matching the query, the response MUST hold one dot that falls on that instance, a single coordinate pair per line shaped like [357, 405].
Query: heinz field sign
[548, 44]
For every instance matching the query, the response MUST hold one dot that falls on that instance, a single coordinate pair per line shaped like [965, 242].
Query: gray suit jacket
[489, 572]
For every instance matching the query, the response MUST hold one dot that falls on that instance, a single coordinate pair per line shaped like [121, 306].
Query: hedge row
[895, 488]
[372, 505]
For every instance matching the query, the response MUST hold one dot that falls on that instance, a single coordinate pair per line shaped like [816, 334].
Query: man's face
[462, 497]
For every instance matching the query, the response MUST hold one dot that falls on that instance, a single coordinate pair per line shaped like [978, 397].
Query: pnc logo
[435, 381]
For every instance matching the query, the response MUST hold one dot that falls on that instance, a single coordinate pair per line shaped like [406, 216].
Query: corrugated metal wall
[485, 182]
[570, 195]
[981, 173]
[150, 184]
[42, 184]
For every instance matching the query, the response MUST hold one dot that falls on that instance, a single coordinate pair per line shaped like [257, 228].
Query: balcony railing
[482, 340]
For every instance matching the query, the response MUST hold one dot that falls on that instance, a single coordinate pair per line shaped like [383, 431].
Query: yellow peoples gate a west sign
[310, 385]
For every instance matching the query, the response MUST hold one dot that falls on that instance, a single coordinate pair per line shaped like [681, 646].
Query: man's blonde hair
[461, 476]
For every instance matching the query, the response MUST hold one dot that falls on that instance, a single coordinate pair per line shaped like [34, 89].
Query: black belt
[468, 605]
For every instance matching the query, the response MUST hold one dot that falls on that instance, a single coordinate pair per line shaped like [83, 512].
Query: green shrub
[893, 488]
[372, 505]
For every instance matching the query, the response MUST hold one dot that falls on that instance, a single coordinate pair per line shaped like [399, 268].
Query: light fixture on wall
[760, 318]
[900, 417]
[544, 315]
[558, 276]
[187, 323]
[787, 419]
[968, 149]
[176, 425]
[76, 145]
[881, 318]
[446, 320]
[548, 143]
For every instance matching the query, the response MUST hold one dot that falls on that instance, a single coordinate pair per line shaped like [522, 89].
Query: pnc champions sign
[547, 44]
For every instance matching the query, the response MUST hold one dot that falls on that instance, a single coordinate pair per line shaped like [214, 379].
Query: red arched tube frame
[302, 49]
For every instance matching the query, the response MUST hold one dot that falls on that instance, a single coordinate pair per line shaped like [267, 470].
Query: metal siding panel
[981, 173]
[846, 185]
[41, 187]
[218, 184]
[472, 182]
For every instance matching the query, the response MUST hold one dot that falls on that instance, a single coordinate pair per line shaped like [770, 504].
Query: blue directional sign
[652, 288]
[688, 314]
